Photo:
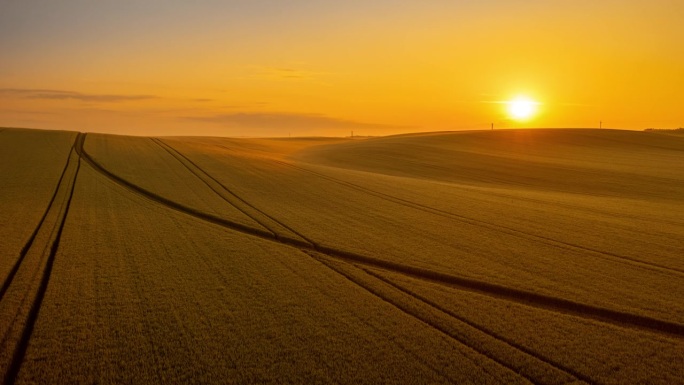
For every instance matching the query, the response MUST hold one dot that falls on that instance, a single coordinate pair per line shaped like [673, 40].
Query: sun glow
[522, 108]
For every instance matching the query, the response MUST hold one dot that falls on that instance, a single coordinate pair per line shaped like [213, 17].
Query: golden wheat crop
[522, 256]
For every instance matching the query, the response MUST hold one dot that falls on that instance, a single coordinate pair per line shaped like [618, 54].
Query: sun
[522, 108]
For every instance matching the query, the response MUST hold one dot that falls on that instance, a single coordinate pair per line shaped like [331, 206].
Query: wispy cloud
[286, 121]
[285, 74]
[70, 95]
[28, 112]
[290, 73]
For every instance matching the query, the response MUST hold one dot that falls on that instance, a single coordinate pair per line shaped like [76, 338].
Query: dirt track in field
[25, 287]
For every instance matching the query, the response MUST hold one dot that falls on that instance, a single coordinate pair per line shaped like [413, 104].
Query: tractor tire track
[244, 206]
[32, 237]
[525, 365]
[312, 243]
[202, 174]
[172, 204]
[555, 304]
[483, 329]
[606, 255]
[22, 337]
[478, 178]
[543, 301]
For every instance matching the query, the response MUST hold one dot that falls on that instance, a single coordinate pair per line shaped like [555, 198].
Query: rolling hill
[521, 256]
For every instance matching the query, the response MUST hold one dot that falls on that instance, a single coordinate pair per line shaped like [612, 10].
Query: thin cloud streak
[286, 121]
[29, 112]
[287, 74]
[70, 95]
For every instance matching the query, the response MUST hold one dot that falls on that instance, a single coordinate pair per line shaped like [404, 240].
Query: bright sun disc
[522, 108]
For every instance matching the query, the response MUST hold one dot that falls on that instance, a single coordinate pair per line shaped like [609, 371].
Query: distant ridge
[679, 131]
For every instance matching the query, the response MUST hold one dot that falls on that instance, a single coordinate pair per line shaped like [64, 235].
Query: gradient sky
[279, 68]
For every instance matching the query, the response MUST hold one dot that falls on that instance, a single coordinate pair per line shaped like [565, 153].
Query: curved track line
[311, 242]
[431, 324]
[22, 346]
[24, 250]
[543, 301]
[199, 170]
[483, 329]
[560, 305]
[169, 203]
[172, 150]
[492, 226]
[478, 178]
[435, 324]
[180, 158]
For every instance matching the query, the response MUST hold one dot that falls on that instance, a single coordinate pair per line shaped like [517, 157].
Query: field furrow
[575, 162]
[193, 302]
[533, 368]
[638, 255]
[550, 303]
[506, 341]
[641, 227]
[278, 229]
[31, 165]
[604, 314]
[491, 225]
[172, 204]
[142, 162]
[524, 196]
[521, 257]
[29, 242]
[22, 300]
[618, 355]
[367, 225]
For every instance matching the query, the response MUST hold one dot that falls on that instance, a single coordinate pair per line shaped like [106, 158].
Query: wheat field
[479, 257]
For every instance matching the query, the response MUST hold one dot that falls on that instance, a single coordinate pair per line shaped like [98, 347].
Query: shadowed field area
[521, 256]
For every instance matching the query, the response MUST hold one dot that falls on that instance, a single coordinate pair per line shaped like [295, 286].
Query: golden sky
[279, 68]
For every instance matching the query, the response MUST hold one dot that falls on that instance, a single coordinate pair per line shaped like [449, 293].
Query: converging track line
[475, 177]
[203, 174]
[402, 308]
[527, 373]
[169, 203]
[20, 349]
[492, 226]
[398, 306]
[560, 305]
[197, 172]
[485, 330]
[32, 237]
[606, 255]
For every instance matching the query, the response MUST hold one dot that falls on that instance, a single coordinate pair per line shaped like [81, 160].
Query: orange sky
[276, 68]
